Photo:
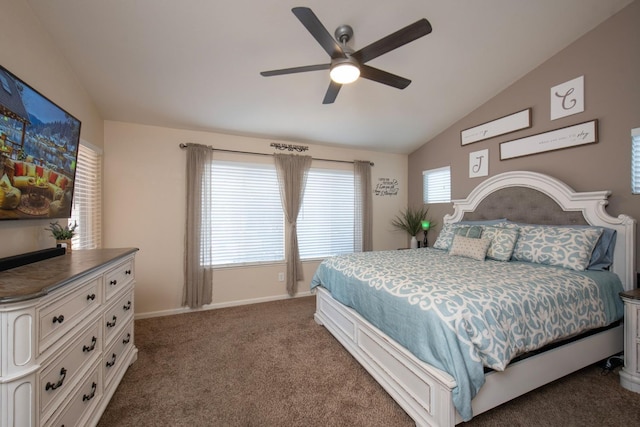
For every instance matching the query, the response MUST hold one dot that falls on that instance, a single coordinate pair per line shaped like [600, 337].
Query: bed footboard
[423, 391]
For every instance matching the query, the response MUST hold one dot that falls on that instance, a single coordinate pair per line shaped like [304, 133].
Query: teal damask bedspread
[461, 315]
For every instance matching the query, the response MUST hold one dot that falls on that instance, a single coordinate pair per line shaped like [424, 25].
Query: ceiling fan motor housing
[344, 33]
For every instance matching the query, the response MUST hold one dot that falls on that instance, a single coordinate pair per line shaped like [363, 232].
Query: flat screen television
[38, 153]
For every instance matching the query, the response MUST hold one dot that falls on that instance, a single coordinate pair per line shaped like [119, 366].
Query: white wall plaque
[567, 98]
[570, 136]
[506, 124]
[479, 163]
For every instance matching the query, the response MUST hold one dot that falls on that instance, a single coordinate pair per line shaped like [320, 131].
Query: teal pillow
[474, 231]
[445, 238]
[503, 241]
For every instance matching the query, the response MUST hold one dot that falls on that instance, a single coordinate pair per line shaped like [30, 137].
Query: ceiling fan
[346, 65]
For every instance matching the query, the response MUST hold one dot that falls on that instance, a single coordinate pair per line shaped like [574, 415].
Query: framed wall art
[570, 136]
[501, 126]
[479, 163]
[567, 98]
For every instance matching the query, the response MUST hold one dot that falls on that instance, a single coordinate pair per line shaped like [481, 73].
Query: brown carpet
[270, 364]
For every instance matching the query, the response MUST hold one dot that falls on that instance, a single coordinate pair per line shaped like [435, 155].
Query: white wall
[144, 198]
[28, 52]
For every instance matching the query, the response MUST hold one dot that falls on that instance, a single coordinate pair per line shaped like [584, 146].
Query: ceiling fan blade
[318, 31]
[393, 41]
[332, 92]
[383, 77]
[296, 70]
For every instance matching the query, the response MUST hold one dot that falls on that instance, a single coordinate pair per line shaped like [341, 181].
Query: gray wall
[609, 59]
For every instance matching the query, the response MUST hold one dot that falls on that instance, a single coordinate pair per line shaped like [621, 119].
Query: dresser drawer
[115, 355]
[82, 403]
[59, 316]
[61, 372]
[117, 315]
[118, 278]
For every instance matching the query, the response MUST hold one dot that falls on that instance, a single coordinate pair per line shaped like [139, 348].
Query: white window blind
[326, 218]
[87, 199]
[436, 185]
[635, 161]
[247, 218]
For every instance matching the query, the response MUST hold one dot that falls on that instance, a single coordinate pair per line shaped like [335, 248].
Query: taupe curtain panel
[363, 227]
[198, 278]
[292, 172]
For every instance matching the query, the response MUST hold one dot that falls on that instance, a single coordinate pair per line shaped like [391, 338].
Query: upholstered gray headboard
[535, 198]
[524, 204]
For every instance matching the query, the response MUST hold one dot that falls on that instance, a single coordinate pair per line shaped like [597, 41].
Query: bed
[478, 371]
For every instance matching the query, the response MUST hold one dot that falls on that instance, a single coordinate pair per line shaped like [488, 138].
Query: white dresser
[67, 337]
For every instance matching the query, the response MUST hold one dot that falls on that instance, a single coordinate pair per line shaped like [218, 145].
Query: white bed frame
[424, 391]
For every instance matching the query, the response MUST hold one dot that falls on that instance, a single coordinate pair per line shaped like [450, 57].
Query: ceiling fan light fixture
[344, 71]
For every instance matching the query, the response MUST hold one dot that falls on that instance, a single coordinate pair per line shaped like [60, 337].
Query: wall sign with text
[570, 136]
[501, 126]
[386, 187]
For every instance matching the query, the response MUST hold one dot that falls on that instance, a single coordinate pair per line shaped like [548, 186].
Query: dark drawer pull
[112, 324]
[127, 307]
[94, 386]
[113, 282]
[58, 319]
[127, 339]
[88, 349]
[51, 386]
[127, 272]
[112, 361]
[91, 297]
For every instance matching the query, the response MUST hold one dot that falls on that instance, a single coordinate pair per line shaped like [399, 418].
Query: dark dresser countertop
[42, 277]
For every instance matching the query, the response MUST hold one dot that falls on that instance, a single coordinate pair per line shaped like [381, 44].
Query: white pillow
[469, 247]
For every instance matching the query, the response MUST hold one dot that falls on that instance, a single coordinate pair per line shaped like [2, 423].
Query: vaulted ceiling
[195, 64]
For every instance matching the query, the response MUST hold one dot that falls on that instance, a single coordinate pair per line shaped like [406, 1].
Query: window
[87, 199]
[326, 218]
[248, 225]
[436, 185]
[635, 161]
[247, 222]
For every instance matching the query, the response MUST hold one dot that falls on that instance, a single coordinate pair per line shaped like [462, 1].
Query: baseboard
[215, 306]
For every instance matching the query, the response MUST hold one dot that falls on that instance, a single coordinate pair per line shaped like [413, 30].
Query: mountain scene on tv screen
[38, 149]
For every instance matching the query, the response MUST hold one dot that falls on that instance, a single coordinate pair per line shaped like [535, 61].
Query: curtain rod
[182, 145]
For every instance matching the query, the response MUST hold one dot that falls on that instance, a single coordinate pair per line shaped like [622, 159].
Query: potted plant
[410, 220]
[63, 235]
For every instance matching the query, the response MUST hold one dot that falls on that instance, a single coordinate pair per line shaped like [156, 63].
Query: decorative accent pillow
[448, 230]
[566, 247]
[31, 170]
[503, 241]
[473, 231]
[469, 247]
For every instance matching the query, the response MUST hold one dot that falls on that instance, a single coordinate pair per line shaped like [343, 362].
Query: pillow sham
[444, 239]
[469, 247]
[503, 241]
[602, 255]
[566, 247]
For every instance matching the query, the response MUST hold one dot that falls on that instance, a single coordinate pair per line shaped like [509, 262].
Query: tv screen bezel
[71, 148]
